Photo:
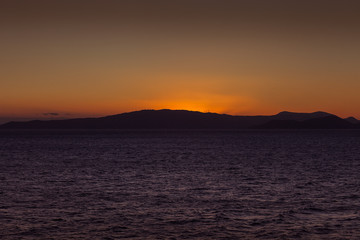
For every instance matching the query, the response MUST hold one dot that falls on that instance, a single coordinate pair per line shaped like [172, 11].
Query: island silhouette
[184, 119]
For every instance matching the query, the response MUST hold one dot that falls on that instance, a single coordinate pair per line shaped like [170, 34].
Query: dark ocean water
[180, 184]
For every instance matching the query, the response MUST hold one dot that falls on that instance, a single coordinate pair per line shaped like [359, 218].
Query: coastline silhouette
[183, 119]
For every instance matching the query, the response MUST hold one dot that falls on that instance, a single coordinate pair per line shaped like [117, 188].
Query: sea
[180, 184]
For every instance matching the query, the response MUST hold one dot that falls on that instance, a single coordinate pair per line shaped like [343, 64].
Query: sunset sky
[65, 59]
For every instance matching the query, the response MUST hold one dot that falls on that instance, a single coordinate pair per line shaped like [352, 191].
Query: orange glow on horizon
[222, 104]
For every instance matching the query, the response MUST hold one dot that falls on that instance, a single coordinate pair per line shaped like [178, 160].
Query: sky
[65, 59]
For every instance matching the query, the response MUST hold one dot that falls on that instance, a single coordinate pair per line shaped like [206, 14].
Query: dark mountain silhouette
[147, 119]
[327, 122]
[182, 119]
[352, 120]
[300, 116]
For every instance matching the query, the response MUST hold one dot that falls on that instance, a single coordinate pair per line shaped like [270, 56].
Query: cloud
[51, 114]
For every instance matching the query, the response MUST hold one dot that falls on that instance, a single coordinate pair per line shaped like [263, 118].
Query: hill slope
[328, 122]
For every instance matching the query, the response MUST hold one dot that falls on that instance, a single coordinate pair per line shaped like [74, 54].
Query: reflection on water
[179, 184]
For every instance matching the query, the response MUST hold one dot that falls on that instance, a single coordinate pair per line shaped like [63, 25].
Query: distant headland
[183, 119]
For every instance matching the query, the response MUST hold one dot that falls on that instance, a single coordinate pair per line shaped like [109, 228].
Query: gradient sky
[62, 59]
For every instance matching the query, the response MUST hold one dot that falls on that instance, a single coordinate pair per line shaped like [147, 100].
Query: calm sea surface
[180, 184]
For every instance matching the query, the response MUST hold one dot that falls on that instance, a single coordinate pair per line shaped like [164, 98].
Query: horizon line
[60, 116]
